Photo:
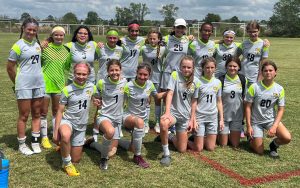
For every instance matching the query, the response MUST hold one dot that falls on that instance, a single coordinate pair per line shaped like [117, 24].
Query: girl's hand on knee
[272, 131]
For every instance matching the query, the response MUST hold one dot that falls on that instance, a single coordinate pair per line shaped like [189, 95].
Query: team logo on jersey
[88, 47]
[257, 51]
[191, 89]
[215, 89]
[89, 93]
[121, 90]
[148, 92]
[118, 53]
[276, 95]
[38, 49]
[239, 86]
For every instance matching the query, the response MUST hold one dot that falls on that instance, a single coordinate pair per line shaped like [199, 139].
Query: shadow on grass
[53, 158]
[245, 145]
[10, 141]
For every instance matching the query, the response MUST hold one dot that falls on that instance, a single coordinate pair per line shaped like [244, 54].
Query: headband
[133, 25]
[58, 28]
[229, 32]
[113, 33]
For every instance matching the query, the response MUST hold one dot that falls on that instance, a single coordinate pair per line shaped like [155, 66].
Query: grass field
[224, 167]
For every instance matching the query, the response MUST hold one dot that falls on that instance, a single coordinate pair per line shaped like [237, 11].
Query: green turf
[44, 170]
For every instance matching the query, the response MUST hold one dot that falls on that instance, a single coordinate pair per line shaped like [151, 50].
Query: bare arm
[161, 95]
[58, 118]
[248, 106]
[272, 130]
[10, 68]
[220, 111]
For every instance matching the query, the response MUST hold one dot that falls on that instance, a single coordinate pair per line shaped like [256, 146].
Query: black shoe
[87, 142]
[103, 164]
[273, 150]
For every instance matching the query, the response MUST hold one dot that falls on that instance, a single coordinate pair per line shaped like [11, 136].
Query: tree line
[285, 21]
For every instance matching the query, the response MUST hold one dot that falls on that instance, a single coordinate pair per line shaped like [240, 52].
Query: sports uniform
[112, 97]
[182, 97]
[176, 49]
[221, 54]
[264, 99]
[207, 112]
[130, 56]
[55, 59]
[29, 82]
[200, 50]
[77, 99]
[87, 52]
[232, 98]
[253, 53]
[105, 55]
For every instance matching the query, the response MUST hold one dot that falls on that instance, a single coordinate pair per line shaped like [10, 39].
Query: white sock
[66, 160]
[44, 127]
[166, 149]
[157, 113]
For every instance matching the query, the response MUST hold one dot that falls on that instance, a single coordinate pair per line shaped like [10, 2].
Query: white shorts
[30, 93]
[231, 126]
[115, 124]
[205, 128]
[77, 137]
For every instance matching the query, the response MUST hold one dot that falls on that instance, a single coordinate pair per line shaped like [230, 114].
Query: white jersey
[130, 56]
[87, 53]
[137, 98]
[182, 96]
[149, 55]
[222, 53]
[200, 50]
[209, 91]
[112, 97]
[77, 100]
[105, 55]
[264, 99]
[29, 70]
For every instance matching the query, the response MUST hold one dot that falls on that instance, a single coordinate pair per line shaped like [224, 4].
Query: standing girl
[83, 48]
[253, 52]
[137, 94]
[132, 45]
[233, 92]
[109, 118]
[72, 117]
[261, 99]
[203, 47]
[28, 83]
[181, 103]
[152, 54]
[55, 59]
[209, 113]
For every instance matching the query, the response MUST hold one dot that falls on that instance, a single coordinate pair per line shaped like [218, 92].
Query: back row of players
[193, 99]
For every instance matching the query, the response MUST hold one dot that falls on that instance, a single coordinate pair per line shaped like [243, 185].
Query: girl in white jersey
[152, 53]
[137, 93]
[72, 117]
[209, 113]
[28, 83]
[181, 101]
[83, 48]
[233, 92]
[261, 100]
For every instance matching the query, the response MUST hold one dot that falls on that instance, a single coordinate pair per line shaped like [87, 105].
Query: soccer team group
[200, 87]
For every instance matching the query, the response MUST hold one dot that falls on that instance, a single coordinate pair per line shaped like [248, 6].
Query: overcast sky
[188, 9]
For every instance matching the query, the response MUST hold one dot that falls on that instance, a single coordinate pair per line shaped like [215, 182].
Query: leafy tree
[123, 16]
[92, 19]
[69, 18]
[234, 19]
[210, 17]
[169, 12]
[24, 16]
[285, 20]
[49, 18]
[139, 11]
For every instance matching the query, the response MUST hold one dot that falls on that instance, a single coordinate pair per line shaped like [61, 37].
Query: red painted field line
[241, 179]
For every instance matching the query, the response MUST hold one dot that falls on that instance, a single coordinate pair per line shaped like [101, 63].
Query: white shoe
[146, 129]
[36, 147]
[24, 149]
[157, 128]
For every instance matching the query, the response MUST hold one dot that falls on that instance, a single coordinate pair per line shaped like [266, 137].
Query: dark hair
[132, 22]
[144, 66]
[190, 80]
[207, 23]
[90, 35]
[267, 62]
[234, 59]
[113, 62]
[82, 63]
[253, 24]
[207, 60]
[28, 21]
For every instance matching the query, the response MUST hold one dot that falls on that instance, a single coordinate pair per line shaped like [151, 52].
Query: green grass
[44, 170]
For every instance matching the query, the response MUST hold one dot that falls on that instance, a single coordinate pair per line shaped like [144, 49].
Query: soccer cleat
[273, 150]
[112, 152]
[36, 147]
[138, 159]
[165, 160]
[103, 163]
[172, 129]
[146, 128]
[71, 170]
[24, 149]
[46, 143]
[88, 142]
[157, 128]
